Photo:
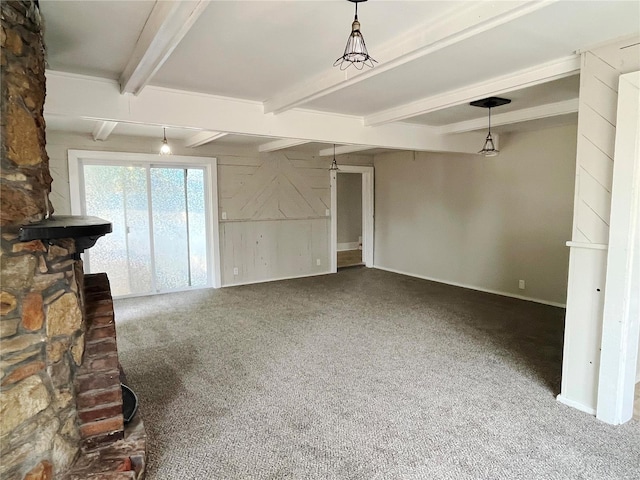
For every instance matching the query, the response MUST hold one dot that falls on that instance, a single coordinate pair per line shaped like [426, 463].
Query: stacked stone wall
[25, 180]
[40, 350]
[41, 328]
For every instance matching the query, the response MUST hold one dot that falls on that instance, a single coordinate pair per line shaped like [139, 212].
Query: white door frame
[621, 319]
[76, 157]
[367, 214]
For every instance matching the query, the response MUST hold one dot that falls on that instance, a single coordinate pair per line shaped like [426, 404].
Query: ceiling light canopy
[355, 53]
[489, 148]
[165, 149]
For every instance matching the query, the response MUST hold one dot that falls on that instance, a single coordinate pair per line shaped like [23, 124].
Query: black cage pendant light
[489, 148]
[355, 53]
[334, 164]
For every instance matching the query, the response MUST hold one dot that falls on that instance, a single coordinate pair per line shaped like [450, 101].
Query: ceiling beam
[546, 72]
[280, 144]
[440, 32]
[202, 138]
[79, 96]
[516, 116]
[328, 152]
[103, 129]
[167, 24]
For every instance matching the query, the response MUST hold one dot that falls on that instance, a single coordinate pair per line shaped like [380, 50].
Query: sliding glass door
[159, 214]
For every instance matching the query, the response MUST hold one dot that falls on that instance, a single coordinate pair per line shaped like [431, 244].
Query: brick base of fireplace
[121, 460]
[110, 450]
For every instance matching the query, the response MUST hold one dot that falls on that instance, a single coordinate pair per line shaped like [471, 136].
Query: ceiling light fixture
[355, 53]
[334, 164]
[489, 148]
[165, 149]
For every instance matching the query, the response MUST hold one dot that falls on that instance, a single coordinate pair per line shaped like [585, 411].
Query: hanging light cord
[334, 163]
[489, 120]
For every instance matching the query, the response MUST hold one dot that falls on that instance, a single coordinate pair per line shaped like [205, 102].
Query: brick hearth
[99, 396]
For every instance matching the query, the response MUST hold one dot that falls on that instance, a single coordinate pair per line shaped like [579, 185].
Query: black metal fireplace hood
[84, 230]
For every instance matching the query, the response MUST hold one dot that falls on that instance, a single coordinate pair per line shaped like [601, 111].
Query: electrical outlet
[327, 212]
[521, 284]
[318, 262]
[224, 215]
[235, 270]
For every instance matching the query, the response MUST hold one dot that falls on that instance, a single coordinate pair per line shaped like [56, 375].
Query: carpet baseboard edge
[473, 287]
[253, 282]
[577, 405]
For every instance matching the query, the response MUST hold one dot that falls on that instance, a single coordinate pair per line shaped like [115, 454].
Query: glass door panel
[138, 241]
[159, 240]
[197, 223]
[170, 239]
[118, 194]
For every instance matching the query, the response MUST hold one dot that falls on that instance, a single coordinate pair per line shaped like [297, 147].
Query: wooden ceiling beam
[280, 144]
[202, 138]
[546, 72]
[343, 149]
[79, 96]
[103, 129]
[167, 24]
[440, 32]
[516, 116]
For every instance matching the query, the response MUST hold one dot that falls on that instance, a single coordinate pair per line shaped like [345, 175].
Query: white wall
[638, 364]
[349, 207]
[481, 222]
[599, 73]
[275, 204]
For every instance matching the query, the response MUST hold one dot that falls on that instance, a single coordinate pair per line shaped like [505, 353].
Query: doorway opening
[352, 217]
[349, 215]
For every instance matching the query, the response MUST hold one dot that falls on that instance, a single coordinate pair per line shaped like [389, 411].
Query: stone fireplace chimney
[41, 325]
[50, 387]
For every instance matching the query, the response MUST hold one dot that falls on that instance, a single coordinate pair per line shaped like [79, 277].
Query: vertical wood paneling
[276, 224]
[273, 249]
[585, 301]
[599, 76]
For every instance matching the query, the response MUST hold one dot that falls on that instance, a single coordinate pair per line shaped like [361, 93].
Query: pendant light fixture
[489, 148]
[355, 53]
[165, 149]
[334, 164]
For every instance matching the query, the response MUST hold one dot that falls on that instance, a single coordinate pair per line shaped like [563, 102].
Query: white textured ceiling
[92, 37]
[263, 51]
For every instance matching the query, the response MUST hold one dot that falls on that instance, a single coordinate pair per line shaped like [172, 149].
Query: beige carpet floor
[360, 375]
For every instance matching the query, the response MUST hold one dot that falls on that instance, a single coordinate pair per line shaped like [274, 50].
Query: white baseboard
[576, 405]
[253, 282]
[348, 246]
[473, 287]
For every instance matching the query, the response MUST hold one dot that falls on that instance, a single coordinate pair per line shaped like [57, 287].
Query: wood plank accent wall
[599, 75]
[596, 139]
[273, 217]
